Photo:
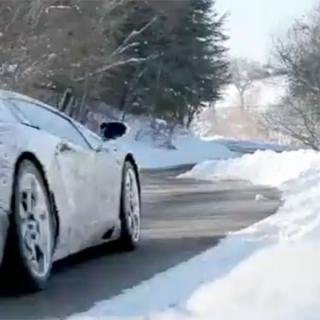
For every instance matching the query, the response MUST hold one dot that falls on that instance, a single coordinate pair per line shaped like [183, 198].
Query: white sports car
[62, 189]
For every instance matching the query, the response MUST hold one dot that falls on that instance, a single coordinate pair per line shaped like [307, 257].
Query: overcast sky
[251, 23]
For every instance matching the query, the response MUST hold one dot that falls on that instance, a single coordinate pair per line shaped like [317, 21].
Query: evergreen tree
[186, 64]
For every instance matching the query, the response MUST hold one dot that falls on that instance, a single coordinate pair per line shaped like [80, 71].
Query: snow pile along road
[269, 271]
[263, 167]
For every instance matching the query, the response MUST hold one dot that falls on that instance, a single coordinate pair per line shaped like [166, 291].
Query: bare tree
[298, 55]
[62, 45]
[295, 120]
[243, 75]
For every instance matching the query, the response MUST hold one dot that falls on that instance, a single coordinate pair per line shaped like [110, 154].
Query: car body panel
[85, 184]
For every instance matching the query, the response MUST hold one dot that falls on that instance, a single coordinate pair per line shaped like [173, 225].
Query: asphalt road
[181, 219]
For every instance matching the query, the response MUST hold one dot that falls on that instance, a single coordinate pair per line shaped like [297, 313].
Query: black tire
[17, 270]
[128, 241]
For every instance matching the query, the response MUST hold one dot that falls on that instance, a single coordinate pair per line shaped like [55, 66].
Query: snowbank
[263, 167]
[269, 271]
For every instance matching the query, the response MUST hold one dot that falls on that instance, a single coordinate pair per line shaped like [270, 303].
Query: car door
[107, 175]
[109, 181]
[75, 166]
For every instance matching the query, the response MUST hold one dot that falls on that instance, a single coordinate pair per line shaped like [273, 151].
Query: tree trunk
[190, 117]
[65, 100]
[242, 102]
[83, 110]
[123, 99]
[169, 143]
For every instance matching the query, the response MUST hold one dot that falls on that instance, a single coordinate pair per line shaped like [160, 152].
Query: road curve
[182, 217]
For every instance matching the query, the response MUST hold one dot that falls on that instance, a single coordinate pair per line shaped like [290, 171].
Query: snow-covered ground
[150, 152]
[189, 150]
[269, 271]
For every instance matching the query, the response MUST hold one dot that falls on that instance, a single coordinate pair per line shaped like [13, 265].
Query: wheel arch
[33, 158]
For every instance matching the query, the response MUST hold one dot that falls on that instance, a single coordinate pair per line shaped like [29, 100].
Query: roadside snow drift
[269, 271]
[263, 167]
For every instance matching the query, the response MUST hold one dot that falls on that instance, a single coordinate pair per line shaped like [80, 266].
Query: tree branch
[111, 66]
[126, 43]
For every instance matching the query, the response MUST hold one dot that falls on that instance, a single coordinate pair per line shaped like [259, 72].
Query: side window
[49, 121]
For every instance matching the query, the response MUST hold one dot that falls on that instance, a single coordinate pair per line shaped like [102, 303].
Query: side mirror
[112, 130]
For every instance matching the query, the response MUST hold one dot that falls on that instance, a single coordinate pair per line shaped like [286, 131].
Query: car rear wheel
[130, 213]
[28, 256]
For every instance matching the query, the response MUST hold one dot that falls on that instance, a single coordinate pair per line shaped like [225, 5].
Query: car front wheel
[28, 256]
